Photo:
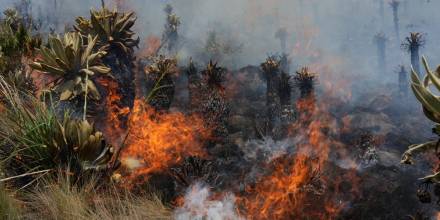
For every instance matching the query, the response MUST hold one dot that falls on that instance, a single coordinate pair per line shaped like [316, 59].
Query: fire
[158, 140]
[279, 195]
[294, 187]
[114, 113]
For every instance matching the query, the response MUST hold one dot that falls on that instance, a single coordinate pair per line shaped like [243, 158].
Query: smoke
[318, 31]
[199, 204]
[266, 149]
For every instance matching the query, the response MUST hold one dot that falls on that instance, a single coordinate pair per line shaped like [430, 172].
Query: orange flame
[114, 127]
[279, 195]
[158, 140]
[294, 188]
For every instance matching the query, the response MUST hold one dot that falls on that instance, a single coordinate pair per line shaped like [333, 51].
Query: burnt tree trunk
[285, 63]
[216, 111]
[415, 58]
[287, 109]
[122, 71]
[273, 104]
[208, 99]
[306, 103]
[285, 98]
[118, 95]
[194, 85]
[307, 92]
[395, 7]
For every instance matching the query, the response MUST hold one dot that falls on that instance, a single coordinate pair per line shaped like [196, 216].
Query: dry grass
[58, 200]
[129, 207]
[9, 206]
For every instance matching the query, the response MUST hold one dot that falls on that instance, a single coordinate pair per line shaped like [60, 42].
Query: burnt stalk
[412, 45]
[271, 70]
[394, 4]
[380, 40]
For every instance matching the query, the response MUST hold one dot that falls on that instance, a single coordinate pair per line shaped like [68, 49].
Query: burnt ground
[385, 189]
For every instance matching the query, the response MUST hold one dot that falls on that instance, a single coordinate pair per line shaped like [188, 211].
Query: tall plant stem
[85, 96]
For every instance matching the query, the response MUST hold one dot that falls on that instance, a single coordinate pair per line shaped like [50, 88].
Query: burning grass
[158, 140]
[301, 185]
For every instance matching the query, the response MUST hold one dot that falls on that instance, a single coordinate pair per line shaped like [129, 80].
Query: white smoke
[198, 205]
[266, 148]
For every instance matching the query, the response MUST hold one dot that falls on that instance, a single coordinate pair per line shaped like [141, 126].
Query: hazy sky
[334, 33]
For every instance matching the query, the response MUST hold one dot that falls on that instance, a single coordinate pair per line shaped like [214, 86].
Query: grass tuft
[60, 200]
[9, 206]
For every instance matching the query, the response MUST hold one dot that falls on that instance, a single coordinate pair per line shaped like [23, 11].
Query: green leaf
[431, 115]
[36, 65]
[414, 77]
[62, 64]
[52, 70]
[58, 48]
[48, 56]
[434, 79]
[426, 98]
[97, 25]
[94, 58]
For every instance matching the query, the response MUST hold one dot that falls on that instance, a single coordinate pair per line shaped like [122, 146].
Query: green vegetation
[16, 41]
[53, 165]
[73, 64]
[431, 107]
[112, 28]
[38, 140]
